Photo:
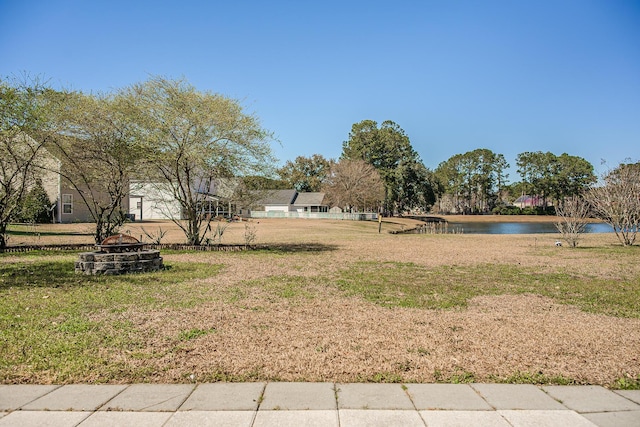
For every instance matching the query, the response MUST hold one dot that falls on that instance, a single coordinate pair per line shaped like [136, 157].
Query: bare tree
[617, 201]
[573, 217]
[354, 184]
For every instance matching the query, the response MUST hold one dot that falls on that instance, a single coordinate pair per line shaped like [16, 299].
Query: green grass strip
[395, 284]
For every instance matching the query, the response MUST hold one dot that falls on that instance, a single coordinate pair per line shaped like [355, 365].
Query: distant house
[277, 201]
[289, 203]
[67, 204]
[70, 206]
[152, 200]
[155, 200]
[525, 201]
[310, 203]
[294, 204]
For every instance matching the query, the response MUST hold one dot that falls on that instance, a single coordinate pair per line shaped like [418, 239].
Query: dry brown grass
[346, 339]
[328, 336]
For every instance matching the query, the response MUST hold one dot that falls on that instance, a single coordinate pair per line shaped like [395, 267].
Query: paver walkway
[317, 404]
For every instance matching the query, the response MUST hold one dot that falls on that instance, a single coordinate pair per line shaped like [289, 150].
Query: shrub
[36, 206]
[506, 210]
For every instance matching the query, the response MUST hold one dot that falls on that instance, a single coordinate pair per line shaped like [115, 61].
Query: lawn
[329, 301]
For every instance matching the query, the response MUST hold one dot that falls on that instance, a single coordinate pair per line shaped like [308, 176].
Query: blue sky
[456, 75]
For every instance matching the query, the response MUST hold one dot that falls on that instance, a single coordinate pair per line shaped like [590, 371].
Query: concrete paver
[312, 418]
[590, 399]
[224, 397]
[13, 397]
[615, 419]
[379, 418]
[127, 419]
[633, 395]
[299, 396]
[516, 396]
[545, 418]
[372, 396]
[326, 404]
[150, 397]
[43, 419]
[463, 419]
[76, 397]
[211, 419]
[446, 396]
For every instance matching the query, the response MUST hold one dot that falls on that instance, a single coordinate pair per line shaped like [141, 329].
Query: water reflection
[517, 227]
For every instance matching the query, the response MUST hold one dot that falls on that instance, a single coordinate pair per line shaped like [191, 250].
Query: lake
[518, 227]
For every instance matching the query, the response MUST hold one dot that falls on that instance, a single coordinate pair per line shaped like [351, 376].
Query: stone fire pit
[119, 254]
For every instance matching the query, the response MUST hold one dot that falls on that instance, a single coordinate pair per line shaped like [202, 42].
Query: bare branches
[573, 214]
[354, 184]
[617, 201]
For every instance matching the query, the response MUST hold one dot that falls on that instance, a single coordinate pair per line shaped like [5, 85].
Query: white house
[278, 200]
[291, 204]
[152, 200]
[309, 202]
[155, 200]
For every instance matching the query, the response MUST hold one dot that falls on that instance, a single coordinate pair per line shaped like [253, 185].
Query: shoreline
[504, 218]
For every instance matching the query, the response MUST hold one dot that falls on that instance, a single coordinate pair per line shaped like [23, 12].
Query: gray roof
[278, 197]
[309, 199]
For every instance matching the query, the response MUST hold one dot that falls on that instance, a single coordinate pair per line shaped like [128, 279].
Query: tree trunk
[3, 235]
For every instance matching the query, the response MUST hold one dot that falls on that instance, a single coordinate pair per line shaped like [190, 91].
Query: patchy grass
[275, 288]
[331, 302]
[194, 333]
[46, 310]
[381, 377]
[457, 377]
[627, 382]
[395, 284]
[537, 378]
[54, 284]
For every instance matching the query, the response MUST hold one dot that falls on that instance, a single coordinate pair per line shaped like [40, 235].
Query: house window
[67, 203]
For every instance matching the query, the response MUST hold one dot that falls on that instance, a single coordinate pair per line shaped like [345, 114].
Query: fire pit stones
[119, 254]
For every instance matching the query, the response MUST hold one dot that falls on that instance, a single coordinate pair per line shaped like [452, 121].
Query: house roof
[526, 198]
[309, 199]
[279, 197]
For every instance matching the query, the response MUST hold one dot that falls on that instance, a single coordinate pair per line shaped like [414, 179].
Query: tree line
[378, 171]
[184, 140]
[472, 182]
